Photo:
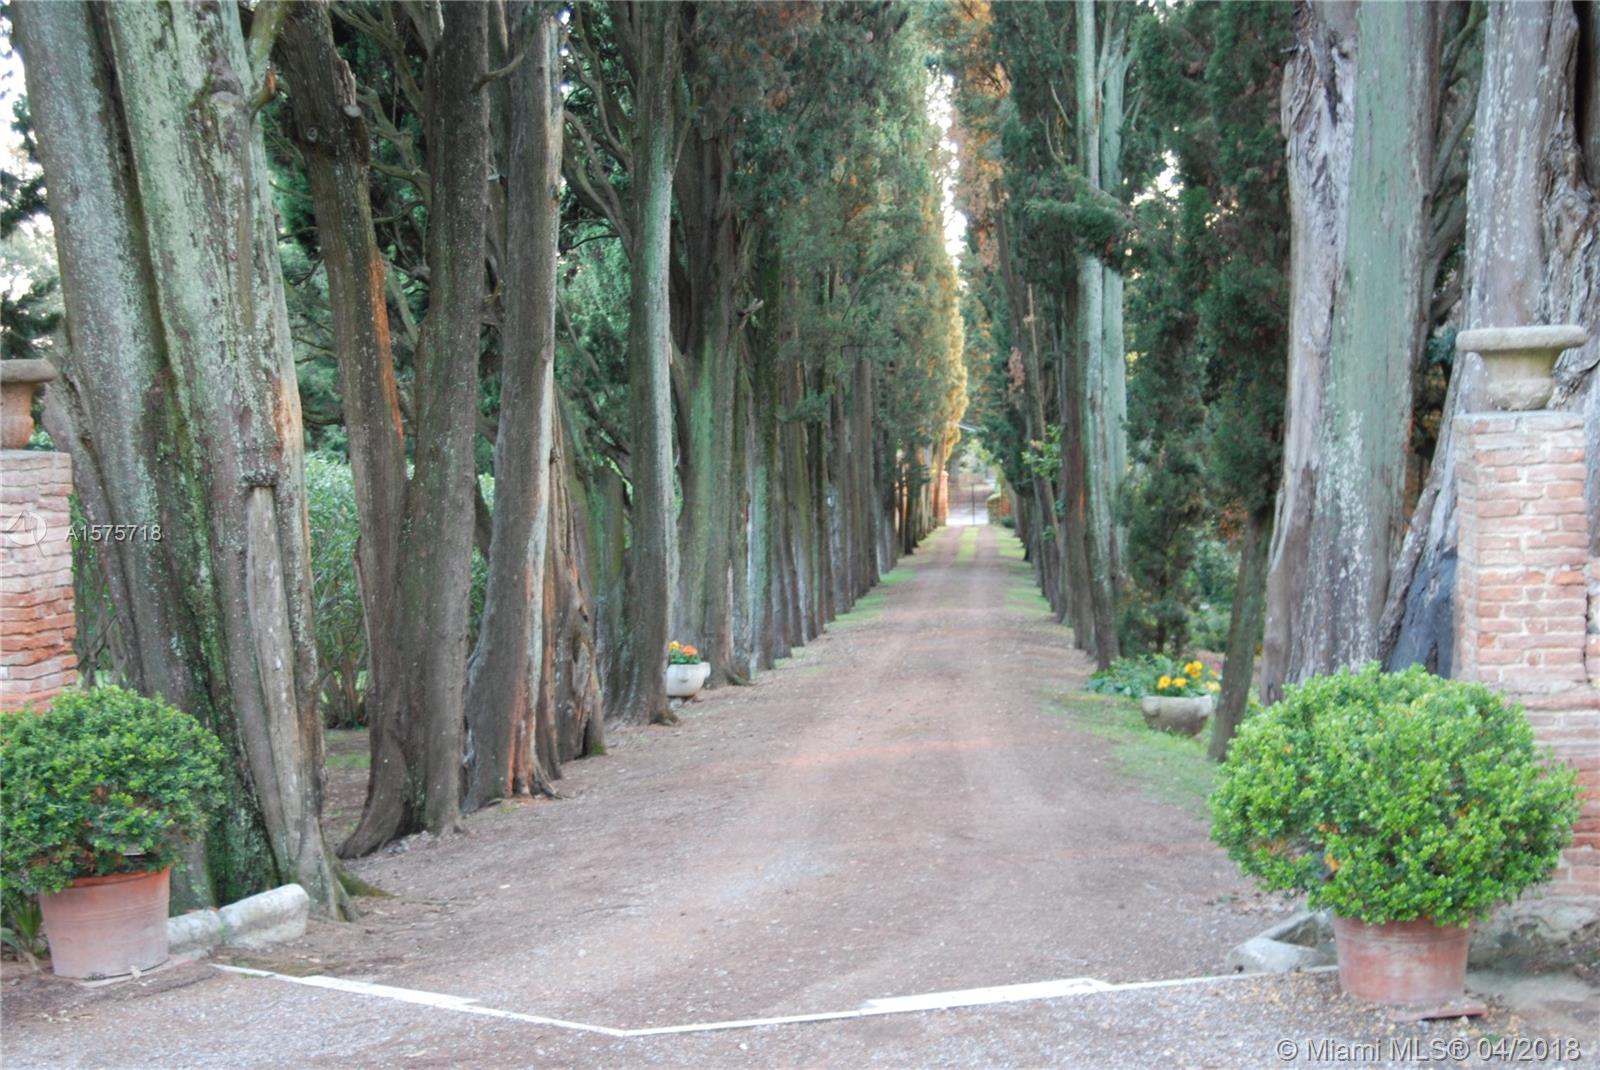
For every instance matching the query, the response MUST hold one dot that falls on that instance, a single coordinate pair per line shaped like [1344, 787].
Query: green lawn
[967, 545]
[1009, 546]
[1174, 768]
[899, 574]
[346, 748]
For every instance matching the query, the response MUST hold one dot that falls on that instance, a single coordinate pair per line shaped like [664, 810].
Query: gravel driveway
[896, 810]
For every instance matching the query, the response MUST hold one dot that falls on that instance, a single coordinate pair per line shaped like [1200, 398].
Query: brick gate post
[1522, 603]
[36, 621]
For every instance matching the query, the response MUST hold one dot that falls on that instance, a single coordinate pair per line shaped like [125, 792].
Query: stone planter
[108, 926]
[1520, 362]
[1183, 715]
[685, 681]
[19, 379]
[1402, 963]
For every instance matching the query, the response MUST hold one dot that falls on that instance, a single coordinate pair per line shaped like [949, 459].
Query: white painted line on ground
[465, 1004]
[978, 997]
[872, 1008]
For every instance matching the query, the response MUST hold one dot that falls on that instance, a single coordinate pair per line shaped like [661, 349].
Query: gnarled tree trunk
[504, 682]
[181, 405]
[416, 725]
[1360, 150]
[1532, 257]
[1101, 76]
[654, 37]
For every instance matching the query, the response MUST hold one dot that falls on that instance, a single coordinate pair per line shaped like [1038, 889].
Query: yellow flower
[1194, 668]
[1213, 686]
[1165, 681]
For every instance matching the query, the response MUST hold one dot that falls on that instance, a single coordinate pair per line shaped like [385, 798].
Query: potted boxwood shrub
[96, 797]
[687, 671]
[1406, 804]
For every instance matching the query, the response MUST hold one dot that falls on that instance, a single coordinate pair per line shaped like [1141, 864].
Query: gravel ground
[896, 810]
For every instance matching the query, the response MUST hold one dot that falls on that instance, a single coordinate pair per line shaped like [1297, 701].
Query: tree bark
[1360, 149]
[1243, 629]
[181, 378]
[577, 712]
[1532, 257]
[416, 727]
[1101, 74]
[504, 679]
[708, 339]
[653, 560]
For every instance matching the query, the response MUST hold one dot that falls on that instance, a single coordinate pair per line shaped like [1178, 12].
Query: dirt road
[902, 808]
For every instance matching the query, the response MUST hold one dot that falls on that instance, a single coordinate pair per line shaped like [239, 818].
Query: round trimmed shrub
[106, 781]
[1392, 797]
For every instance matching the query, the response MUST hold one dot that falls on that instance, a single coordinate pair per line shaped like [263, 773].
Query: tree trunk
[504, 679]
[416, 727]
[1101, 71]
[181, 405]
[1532, 257]
[708, 336]
[1360, 183]
[1244, 631]
[577, 712]
[653, 561]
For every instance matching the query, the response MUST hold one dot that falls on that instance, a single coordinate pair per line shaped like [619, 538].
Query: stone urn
[1520, 362]
[1182, 715]
[685, 681]
[19, 379]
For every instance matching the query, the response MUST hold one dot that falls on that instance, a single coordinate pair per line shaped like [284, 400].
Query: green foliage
[1132, 676]
[107, 781]
[21, 924]
[335, 591]
[1167, 499]
[1391, 797]
[1153, 674]
[1208, 301]
[1214, 577]
[1042, 458]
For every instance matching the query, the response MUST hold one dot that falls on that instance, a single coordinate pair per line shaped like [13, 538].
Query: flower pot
[1402, 963]
[1184, 715]
[108, 926]
[1520, 361]
[18, 381]
[685, 681]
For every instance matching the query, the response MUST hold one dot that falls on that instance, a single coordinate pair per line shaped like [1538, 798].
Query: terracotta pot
[1182, 714]
[18, 381]
[685, 681]
[1520, 362]
[108, 926]
[1402, 963]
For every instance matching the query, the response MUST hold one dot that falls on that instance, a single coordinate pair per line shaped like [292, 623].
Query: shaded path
[895, 810]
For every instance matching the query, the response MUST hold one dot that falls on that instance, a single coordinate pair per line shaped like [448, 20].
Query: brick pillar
[37, 626]
[1522, 605]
